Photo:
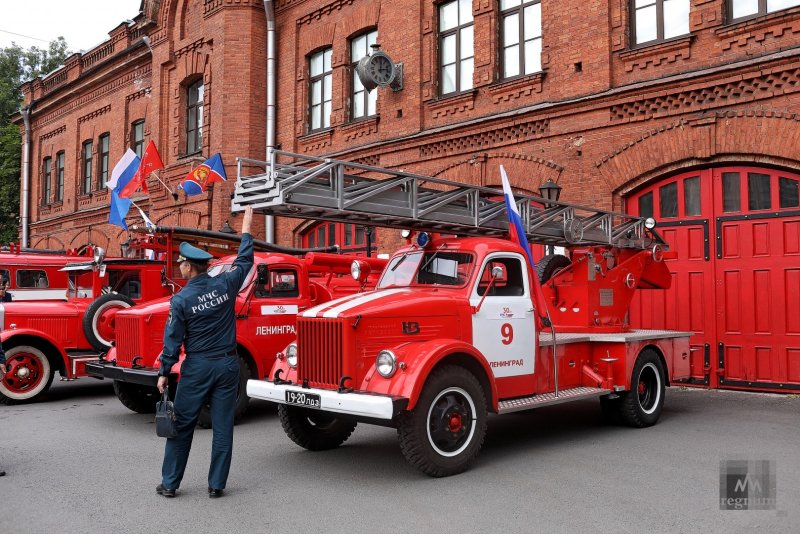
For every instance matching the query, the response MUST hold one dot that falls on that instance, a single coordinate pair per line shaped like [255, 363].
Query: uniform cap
[191, 253]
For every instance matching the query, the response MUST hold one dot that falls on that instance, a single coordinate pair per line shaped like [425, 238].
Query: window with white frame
[87, 167]
[194, 117]
[659, 20]
[47, 180]
[102, 164]
[320, 89]
[363, 103]
[60, 160]
[521, 24]
[740, 9]
[456, 46]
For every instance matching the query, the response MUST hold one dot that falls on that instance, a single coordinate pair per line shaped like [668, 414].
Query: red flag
[151, 161]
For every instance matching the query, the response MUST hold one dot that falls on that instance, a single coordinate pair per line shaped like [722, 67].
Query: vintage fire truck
[41, 338]
[279, 286]
[462, 326]
[36, 274]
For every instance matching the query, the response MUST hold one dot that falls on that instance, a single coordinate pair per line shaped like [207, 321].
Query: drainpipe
[26, 175]
[269, 10]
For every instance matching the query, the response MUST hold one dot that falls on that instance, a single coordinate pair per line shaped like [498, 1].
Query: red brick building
[683, 109]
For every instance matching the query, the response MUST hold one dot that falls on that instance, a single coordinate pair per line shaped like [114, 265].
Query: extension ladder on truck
[295, 185]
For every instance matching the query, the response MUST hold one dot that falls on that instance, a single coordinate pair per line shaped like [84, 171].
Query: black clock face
[381, 70]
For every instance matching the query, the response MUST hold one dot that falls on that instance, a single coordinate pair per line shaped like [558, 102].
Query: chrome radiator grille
[319, 351]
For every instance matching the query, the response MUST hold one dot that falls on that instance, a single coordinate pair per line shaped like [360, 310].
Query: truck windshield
[433, 268]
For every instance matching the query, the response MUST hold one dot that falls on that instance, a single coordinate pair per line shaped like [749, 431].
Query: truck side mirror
[498, 273]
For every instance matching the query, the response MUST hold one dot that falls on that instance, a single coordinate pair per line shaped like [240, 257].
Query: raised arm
[244, 260]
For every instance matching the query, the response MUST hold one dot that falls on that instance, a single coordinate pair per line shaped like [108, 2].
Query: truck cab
[36, 275]
[278, 288]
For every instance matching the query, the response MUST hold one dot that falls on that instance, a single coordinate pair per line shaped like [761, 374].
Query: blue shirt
[202, 315]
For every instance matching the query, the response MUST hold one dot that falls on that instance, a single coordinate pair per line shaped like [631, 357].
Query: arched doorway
[734, 236]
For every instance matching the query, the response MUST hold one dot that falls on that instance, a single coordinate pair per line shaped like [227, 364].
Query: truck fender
[36, 338]
[420, 359]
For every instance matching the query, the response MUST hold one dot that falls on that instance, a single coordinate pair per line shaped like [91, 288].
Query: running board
[548, 399]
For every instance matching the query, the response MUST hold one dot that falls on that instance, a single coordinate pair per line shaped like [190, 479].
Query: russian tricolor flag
[515, 229]
[210, 171]
[517, 234]
[121, 175]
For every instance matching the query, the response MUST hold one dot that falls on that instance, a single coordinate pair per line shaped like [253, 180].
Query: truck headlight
[291, 355]
[386, 363]
[99, 255]
[649, 223]
[355, 270]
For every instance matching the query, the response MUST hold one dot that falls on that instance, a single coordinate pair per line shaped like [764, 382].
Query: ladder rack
[295, 185]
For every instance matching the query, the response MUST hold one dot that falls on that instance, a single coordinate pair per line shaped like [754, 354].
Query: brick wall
[601, 119]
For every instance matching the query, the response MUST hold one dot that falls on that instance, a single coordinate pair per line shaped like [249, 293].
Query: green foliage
[18, 65]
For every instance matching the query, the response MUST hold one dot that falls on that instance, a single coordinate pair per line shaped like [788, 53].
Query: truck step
[548, 399]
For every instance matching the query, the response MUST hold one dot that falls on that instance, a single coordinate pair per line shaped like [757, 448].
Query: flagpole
[173, 193]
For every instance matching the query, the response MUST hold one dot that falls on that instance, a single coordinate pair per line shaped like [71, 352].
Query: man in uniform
[202, 319]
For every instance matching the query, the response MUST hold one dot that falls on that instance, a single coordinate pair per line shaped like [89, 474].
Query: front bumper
[355, 404]
[144, 376]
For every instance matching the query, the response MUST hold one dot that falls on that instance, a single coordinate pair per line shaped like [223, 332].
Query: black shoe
[161, 490]
[214, 493]
[2, 473]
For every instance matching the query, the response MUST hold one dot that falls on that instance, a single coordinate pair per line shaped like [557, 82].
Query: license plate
[301, 398]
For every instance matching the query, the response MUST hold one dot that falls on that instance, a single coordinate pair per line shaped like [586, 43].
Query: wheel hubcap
[648, 388]
[450, 422]
[455, 422]
[24, 373]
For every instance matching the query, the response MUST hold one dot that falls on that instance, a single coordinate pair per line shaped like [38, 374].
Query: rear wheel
[137, 398]
[642, 406]
[314, 430]
[242, 400]
[444, 432]
[98, 320]
[29, 374]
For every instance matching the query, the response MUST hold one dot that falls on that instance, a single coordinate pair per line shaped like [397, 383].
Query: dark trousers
[216, 379]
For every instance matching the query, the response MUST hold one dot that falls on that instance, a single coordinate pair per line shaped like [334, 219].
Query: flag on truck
[122, 173]
[210, 171]
[517, 234]
[151, 161]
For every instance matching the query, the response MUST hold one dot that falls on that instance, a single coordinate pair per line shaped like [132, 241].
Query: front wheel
[642, 406]
[137, 398]
[29, 374]
[314, 430]
[444, 432]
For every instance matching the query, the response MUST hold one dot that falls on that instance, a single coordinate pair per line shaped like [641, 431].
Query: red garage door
[734, 236]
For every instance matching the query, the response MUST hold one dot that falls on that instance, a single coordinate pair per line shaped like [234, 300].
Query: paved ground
[81, 462]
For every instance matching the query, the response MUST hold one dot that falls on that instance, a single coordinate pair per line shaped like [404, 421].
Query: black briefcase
[165, 417]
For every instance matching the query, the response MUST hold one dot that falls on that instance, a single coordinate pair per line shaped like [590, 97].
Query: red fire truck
[41, 338]
[35, 274]
[462, 326]
[278, 287]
